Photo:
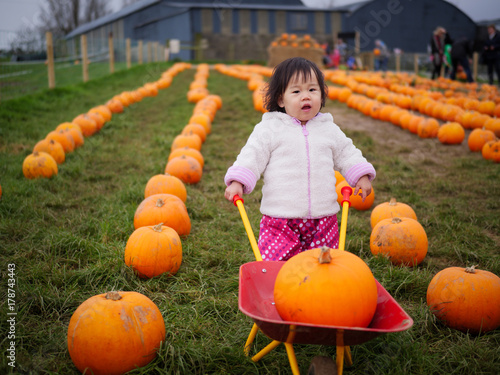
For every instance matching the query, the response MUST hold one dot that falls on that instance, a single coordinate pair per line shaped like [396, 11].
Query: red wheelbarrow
[256, 300]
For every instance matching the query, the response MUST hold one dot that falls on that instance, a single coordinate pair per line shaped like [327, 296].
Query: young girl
[297, 148]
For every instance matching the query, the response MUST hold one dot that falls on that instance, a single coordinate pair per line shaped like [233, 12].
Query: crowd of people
[452, 56]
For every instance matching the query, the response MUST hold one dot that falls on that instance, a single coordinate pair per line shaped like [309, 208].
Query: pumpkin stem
[114, 296]
[157, 227]
[325, 256]
[471, 269]
[160, 202]
[393, 202]
[396, 220]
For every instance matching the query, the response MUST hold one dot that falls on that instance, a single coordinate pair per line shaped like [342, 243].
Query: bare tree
[63, 16]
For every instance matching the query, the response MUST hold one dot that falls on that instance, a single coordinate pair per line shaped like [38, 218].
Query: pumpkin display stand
[256, 300]
[287, 46]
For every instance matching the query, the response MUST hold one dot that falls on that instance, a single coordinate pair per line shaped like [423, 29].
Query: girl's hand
[234, 189]
[365, 185]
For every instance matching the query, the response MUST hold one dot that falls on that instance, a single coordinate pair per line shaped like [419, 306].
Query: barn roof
[185, 5]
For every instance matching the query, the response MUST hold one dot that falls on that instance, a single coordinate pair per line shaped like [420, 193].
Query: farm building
[243, 30]
[405, 24]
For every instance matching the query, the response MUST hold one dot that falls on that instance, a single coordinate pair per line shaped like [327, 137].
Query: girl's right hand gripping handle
[237, 198]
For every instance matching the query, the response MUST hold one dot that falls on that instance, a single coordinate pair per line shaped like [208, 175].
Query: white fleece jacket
[297, 163]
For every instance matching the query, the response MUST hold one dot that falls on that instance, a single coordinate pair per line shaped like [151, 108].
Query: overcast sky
[14, 14]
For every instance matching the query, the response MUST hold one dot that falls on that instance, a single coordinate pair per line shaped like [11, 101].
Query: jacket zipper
[306, 133]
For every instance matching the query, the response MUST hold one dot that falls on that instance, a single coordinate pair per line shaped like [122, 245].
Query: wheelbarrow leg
[251, 337]
[340, 359]
[266, 350]
[292, 359]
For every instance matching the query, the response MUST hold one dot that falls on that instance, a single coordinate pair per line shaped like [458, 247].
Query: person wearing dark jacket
[491, 53]
[438, 41]
[461, 50]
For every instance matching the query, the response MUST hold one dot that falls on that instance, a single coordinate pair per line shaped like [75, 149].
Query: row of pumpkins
[398, 104]
[154, 248]
[51, 151]
[453, 294]
[395, 102]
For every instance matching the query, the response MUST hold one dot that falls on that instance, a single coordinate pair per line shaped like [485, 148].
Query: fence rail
[89, 58]
[67, 64]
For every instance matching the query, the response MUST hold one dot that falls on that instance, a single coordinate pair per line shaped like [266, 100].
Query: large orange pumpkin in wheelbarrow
[328, 287]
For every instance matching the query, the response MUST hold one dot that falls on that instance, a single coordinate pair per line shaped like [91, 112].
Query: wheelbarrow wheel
[321, 365]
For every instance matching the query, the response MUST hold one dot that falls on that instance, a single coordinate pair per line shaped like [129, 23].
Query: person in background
[297, 148]
[461, 51]
[491, 53]
[438, 41]
[381, 55]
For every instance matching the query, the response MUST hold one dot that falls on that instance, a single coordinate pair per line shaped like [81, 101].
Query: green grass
[67, 235]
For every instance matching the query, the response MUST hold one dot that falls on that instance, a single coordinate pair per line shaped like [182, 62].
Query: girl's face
[302, 98]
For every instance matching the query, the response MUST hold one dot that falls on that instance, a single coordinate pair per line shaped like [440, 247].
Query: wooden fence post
[50, 60]
[139, 47]
[149, 52]
[475, 62]
[398, 63]
[85, 60]
[128, 53]
[415, 63]
[111, 53]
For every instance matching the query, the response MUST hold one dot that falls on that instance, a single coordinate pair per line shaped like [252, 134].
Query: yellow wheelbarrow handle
[238, 202]
[346, 193]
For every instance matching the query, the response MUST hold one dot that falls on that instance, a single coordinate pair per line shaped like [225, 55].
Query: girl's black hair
[283, 73]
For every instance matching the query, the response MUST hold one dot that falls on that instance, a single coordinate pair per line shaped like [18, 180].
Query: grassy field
[66, 236]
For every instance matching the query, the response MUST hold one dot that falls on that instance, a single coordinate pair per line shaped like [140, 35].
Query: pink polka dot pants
[281, 239]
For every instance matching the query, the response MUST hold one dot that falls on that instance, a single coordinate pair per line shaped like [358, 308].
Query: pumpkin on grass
[39, 164]
[451, 133]
[163, 208]
[478, 137]
[165, 184]
[391, 209]
[115, 332]
[186, 168]
[466, 299]
[87, 124]
[402, 239]
[64, 138]
[154, 250]
[188, 151]
[328, 287]
[52, 148]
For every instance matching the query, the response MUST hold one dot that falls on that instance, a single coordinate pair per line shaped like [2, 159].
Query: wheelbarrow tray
[256, 300]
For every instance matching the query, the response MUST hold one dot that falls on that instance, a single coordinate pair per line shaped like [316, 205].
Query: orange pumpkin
[402, 239]
[73, 130]
[326, 286]
[428, 128]
[338, 178]
[451, 133]
[389, 210]
[465, 299]
[52, 148]
[186, 168]
[188, 151]
[165, 184]
[115, 332]
[39, 164]
[163, 208]
[64, 138]
[115, 105]
[491, 151]
[98, 118]
[478, 137]
[356, 200]
[104, 111]
[189, 140]
[202, 119]
[154, 250]
[87, 124]
[197, 129]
